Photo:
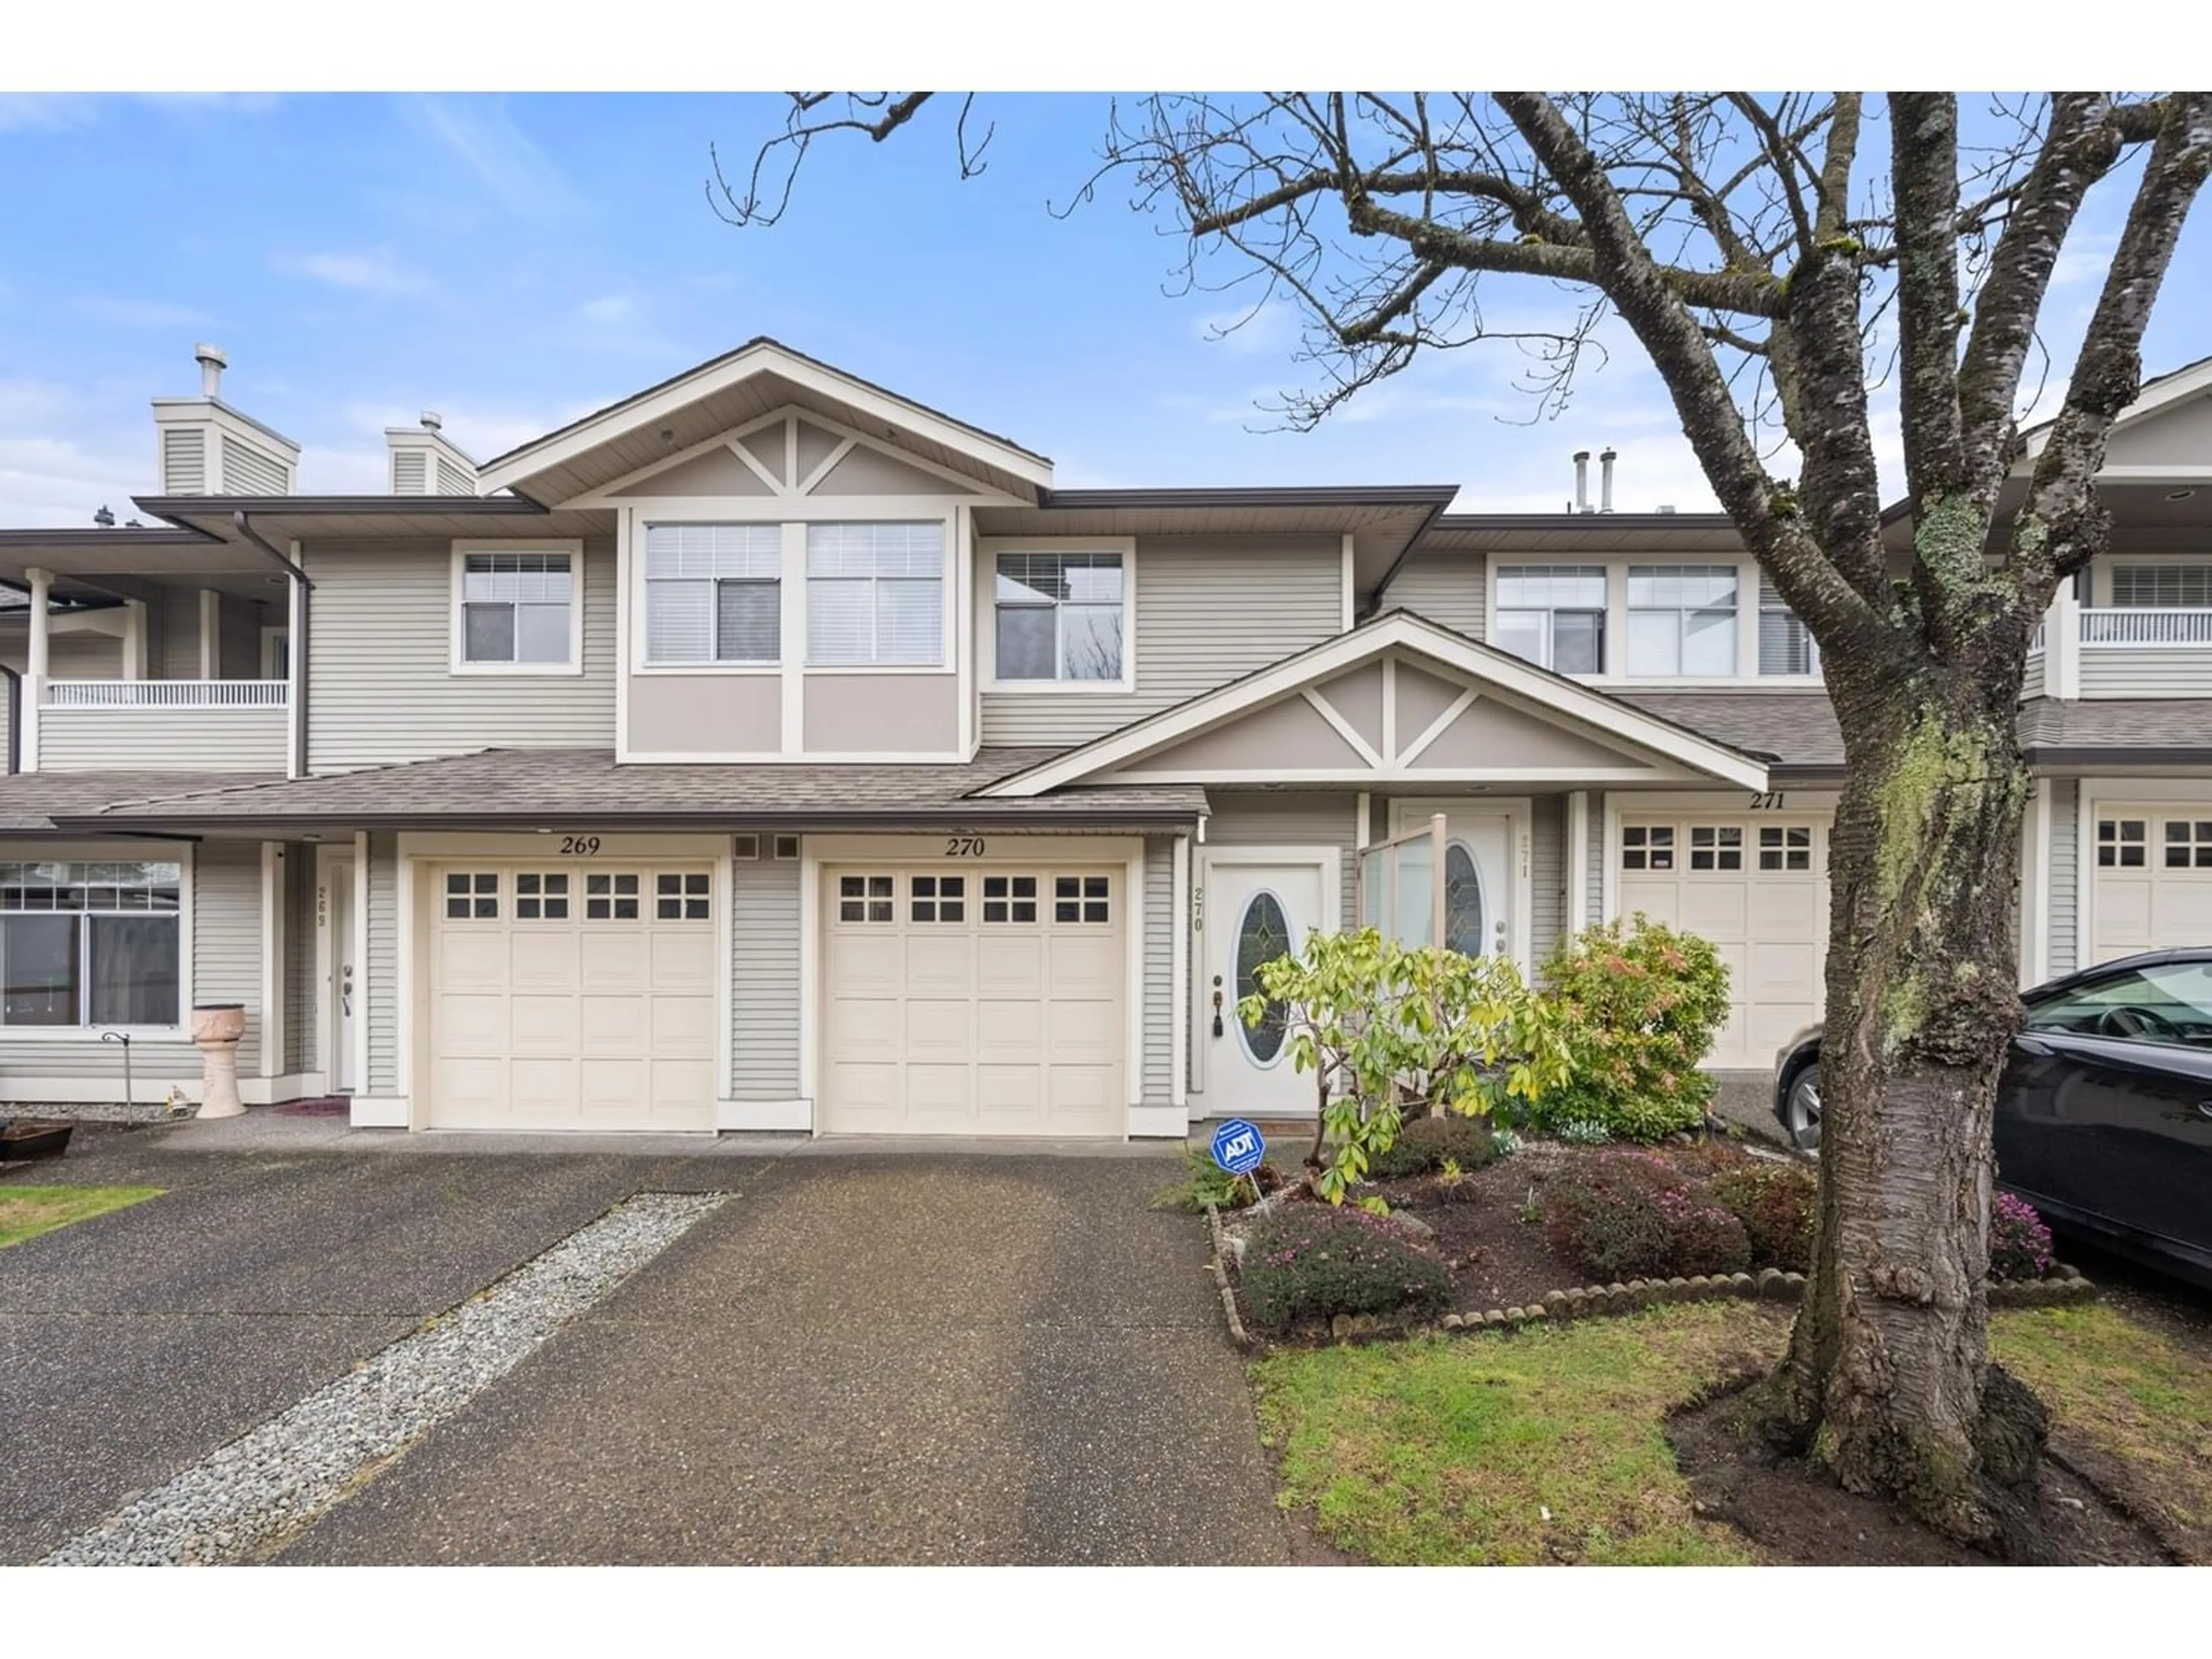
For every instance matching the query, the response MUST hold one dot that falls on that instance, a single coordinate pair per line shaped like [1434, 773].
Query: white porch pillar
[35, 665]
[134, 639]
[1179, 975]
[210, 633]
[2062, 645]
[1578, 803]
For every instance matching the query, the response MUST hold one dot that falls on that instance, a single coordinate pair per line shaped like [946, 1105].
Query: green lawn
[26, 1212]
[1547, 1443]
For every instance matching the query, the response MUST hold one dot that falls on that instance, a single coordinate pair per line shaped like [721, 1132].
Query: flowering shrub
[1631, 1215]
[1638, 1007]
[1775, 1202]
[2020, 1244]
[1313, 1260]
[1430, 1143]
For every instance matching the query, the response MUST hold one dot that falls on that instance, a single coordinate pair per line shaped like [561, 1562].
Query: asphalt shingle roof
[552, 786]
[31, 801]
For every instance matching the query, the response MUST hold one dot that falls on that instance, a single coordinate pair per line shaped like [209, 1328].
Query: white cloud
[609, 308]
[60, 459]
[47, 112]
[477, 131]
[365, 273]
[139, 314]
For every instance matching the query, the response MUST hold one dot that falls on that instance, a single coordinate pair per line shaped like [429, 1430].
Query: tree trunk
[1887, 1380]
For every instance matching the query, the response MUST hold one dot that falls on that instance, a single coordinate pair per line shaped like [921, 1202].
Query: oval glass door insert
[1262, 934]
[1463, 917]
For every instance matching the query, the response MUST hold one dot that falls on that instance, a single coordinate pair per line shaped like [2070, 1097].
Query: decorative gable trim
[1131, 754]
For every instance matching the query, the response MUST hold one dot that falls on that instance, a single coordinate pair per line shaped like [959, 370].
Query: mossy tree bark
[1721, 229]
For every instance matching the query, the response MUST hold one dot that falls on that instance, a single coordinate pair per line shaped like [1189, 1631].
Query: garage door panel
[1003, 1018]
[1785, 911]
[565, 1022]
[1661, 900]
[1718, 909]
[2151, 878]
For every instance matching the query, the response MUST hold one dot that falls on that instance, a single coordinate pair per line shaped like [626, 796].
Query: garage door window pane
[2121, 844]
[938, 898]
[864, 898]
[1786, 847]
[1079, 898]
[1009, 898]
[2188, 844]
[1647, 846]
[610, 897]
[679, 897]
[1717, 847]
[541, 896]
[473, 895]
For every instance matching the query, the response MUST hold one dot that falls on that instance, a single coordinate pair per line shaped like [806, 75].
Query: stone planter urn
[216, 1027]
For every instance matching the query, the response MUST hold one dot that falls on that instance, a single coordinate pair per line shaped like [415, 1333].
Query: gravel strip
[244, 1500]
[114, 1111]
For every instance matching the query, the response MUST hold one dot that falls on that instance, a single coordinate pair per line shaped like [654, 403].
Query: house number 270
[964, 847]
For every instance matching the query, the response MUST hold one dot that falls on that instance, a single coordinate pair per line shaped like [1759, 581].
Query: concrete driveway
[863, 1357]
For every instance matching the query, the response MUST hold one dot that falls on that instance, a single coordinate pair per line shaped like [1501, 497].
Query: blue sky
[512, 261]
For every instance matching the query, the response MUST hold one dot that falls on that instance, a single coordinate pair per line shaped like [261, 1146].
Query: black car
[2103, 1117]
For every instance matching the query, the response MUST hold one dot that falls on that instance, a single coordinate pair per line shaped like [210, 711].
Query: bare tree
[1770, 265]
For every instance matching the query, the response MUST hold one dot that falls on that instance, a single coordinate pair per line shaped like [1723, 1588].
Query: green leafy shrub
[1430, 1143]
[1316, 1260]
[1205, 1182]
[1775, 1202]
[1638, 1008]
[1382, 1026]
[1624, 1214]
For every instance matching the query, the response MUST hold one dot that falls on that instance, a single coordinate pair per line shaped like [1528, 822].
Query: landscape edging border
[2065, 1285]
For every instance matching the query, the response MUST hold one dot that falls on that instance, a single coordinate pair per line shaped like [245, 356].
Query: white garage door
[1757, 886]
[982, 1001]
[2153, 873]
[571, 999]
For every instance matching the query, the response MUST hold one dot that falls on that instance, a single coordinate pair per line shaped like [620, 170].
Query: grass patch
[2138, 1403]
[26, 1212]
[1443, 1451]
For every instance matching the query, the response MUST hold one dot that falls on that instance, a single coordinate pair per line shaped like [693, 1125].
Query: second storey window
[1058, 616]
[1786, 644]
[2162, 586]
[1553, 615]
[713, 594]
[875, 594]
[1681, 619]
[518, 608]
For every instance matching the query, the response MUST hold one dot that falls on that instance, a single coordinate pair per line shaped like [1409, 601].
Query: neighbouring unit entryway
[569, 998]
[987, 999]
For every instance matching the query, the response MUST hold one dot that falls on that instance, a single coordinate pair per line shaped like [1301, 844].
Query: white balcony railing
[2035, 641]
[2145, 626]
[167, 694]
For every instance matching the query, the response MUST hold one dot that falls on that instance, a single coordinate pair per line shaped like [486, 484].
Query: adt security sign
[1237, 1146]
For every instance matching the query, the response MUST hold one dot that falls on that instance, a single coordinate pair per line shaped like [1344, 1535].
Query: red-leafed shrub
[1775, 1202]
[1315, 1260]
[1631, 1215]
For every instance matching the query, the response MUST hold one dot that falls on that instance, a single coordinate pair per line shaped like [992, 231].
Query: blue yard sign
[1237, 1146]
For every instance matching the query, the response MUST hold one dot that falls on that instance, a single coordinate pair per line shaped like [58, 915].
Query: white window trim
[270, 636]
[181, 854]
[987, 549]
[575, 549]
[641, 663]
[948, 661]
[1616, 619]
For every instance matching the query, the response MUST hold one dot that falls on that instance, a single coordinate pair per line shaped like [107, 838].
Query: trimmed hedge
[1315, 1260]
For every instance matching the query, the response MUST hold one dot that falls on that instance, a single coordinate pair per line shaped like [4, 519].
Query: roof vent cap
[212, 363]
[432, 421]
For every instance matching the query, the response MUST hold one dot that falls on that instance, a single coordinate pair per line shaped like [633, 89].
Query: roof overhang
[1519, 682]
[739, 386]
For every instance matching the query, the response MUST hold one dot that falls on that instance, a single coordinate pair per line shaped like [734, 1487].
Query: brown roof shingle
[30, 802]
[502, 787]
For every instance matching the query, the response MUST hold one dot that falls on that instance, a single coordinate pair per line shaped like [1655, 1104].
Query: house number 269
[579, 847]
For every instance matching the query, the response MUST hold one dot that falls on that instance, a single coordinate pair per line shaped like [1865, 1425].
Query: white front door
[1256, 909]
[344, 992]
[1482, 874]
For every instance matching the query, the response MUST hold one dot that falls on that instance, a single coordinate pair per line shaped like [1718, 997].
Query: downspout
[304, 589]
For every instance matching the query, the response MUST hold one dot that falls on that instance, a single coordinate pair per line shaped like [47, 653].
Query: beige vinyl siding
[302, 996]
[383, 690]
[2031, 684]
[1158, 966]
[226, 967]
[184, 463]
[410, 472]
[2065, 875]
[247, 471]
[11, 700]
[173, 635]
[1448, 588]
[1594, 853]
[764, 925]
[79, 657]
[162, 739]
[1547, 875]
[383, 1077]
[2146, 670]
[452, 481]
[1206, 612]
[1247, 818]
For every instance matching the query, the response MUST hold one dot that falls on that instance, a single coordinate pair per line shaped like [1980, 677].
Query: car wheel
[1800, 1110]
